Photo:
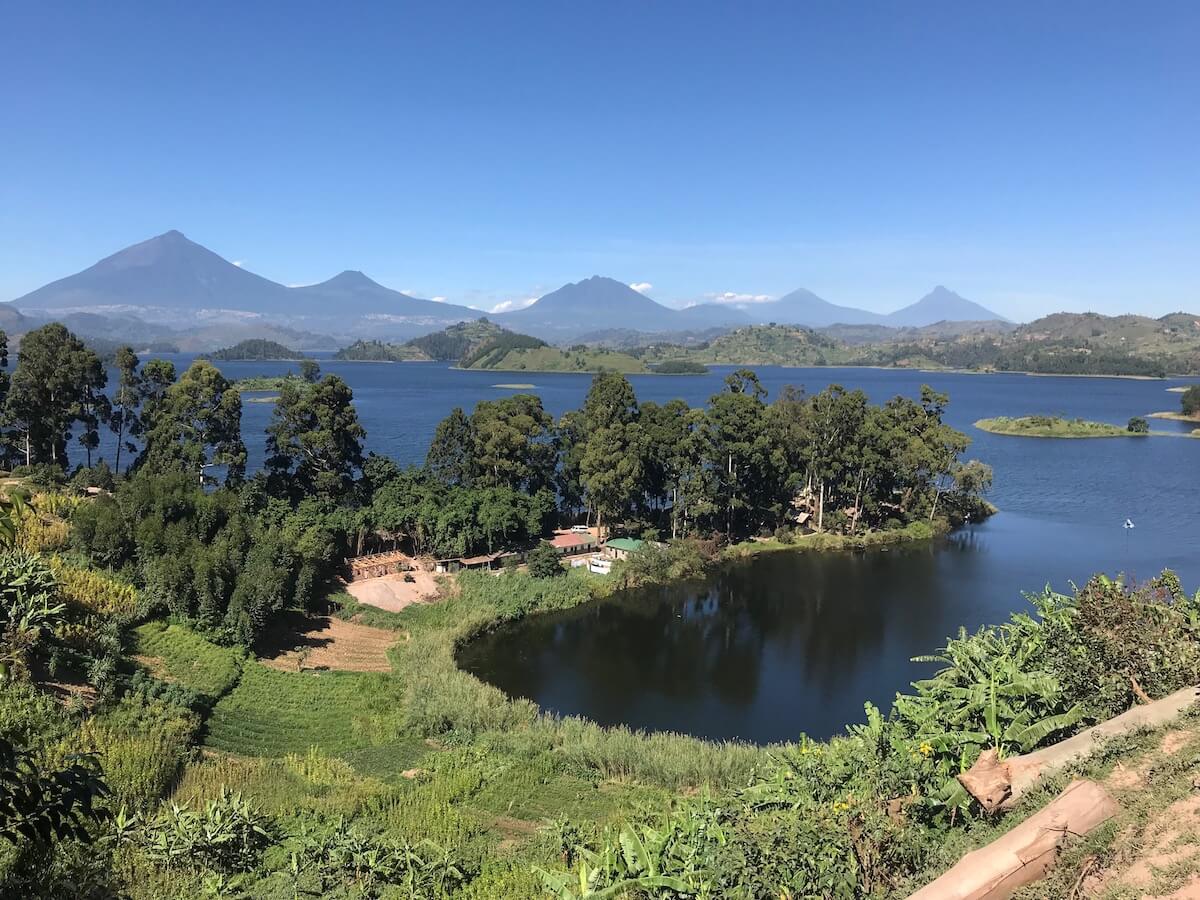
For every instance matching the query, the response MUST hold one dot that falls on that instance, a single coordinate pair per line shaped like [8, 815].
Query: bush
[1190, 401]
[1138, 425]
[544, 562]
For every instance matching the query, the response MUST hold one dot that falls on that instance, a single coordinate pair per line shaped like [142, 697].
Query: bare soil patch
[396, 591]
[324, 642]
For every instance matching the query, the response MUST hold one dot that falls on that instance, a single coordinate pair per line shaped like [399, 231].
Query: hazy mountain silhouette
[589, 305]
[170, 273]
[940, 305]
[803, 307]
[353, 293]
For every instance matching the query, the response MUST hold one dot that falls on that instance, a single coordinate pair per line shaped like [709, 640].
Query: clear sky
[1032, 156]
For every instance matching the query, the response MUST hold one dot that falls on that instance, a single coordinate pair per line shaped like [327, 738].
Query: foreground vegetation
[425, 782]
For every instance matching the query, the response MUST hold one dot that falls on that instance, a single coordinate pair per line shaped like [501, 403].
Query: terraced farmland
[181, 655]
[273, 713]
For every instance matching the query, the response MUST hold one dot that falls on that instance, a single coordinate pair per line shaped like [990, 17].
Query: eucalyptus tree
[195, 424]
[611, 469]
[314, 441]
[124, 414]
[450, 456]
[513, 444]
[57, 383]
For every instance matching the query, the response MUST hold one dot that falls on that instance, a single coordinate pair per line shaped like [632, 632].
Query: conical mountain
[941, 305]
[594, 304]
[166, 272]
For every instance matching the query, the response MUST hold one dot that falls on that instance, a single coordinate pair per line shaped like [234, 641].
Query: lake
[792, 643]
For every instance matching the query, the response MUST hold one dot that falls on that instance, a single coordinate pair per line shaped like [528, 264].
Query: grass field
[1051, 427]
[273, 713]
[179, 654]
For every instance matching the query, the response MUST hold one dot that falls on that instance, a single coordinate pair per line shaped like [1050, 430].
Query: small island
[1057, 427]
[256, 349]
[380, 351]
[680, 367]
[1189, 405]
[447, 345]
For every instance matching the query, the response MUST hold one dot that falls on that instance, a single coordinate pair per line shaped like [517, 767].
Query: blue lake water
[796, 642]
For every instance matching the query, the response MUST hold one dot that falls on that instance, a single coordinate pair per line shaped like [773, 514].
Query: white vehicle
[580, 529]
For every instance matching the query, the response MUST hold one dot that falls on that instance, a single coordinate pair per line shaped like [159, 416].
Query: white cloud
[239, 262]
[438, 299]
[510, 305]
[735, 299]
[642, 287]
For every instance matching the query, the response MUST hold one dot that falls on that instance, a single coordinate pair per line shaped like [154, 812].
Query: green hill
[256, 348]
[380, 351]
[455, 342]
[447, 345]
[758, 345]
[512, 352]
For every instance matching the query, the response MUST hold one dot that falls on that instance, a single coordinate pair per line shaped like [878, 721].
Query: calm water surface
[795, 643]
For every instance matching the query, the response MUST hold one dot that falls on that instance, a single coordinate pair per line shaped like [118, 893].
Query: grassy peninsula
[1053, 427]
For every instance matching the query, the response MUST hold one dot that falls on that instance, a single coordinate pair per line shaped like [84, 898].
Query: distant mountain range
[171, 288]
[803, 307]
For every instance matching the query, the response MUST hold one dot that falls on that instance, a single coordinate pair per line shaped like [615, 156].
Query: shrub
[544, 562]
[1190, 401]
[1138, 425]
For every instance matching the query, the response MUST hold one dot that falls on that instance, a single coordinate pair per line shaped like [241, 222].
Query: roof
[628, 544]
[564, 539]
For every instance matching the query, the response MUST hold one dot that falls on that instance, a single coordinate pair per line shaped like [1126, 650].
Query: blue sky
[1031, 156]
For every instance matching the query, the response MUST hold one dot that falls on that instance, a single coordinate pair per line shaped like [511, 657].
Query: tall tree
[449, 459]
[124, 418]
[513, 444]
[314, 441]
[196, 423]
[611, 468]
[739, 450]
[55, 384]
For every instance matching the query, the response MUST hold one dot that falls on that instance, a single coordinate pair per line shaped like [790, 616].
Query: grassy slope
[1051, 427]
[552, 359]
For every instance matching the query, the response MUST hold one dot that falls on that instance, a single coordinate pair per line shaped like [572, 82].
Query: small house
[621, 548]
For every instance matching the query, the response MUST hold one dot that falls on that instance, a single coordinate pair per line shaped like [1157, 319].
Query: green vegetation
[758, 345]
[1190, 402]
[255, 349]
[273, 713]
[424, 782]
[449, 344]
[680, 367]
[380, 351]
[458, 340]
[1055, 427]
[261, 383]
[510, 352]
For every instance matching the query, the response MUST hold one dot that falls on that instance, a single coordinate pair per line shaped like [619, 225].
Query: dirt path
[393, 592]
[324, 642]
[1155, 853]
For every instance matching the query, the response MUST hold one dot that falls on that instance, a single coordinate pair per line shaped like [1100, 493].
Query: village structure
[394, 579]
